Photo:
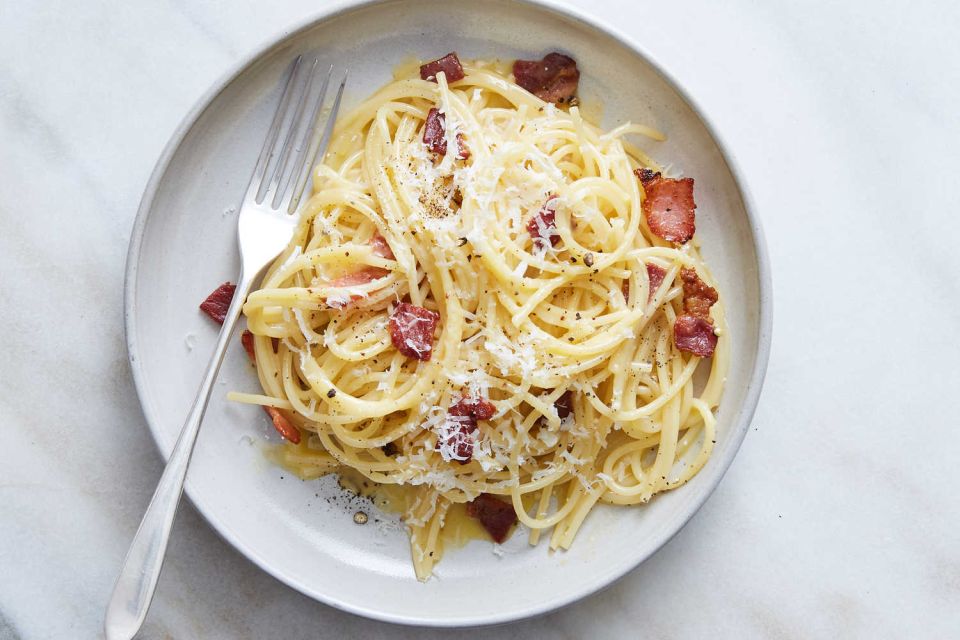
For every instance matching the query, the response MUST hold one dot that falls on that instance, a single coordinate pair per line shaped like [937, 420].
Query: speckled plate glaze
[184, 245]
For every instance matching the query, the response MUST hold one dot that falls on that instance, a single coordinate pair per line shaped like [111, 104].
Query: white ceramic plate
[184, 245]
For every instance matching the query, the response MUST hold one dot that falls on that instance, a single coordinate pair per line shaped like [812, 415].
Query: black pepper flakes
[588, 259]
[331, 393]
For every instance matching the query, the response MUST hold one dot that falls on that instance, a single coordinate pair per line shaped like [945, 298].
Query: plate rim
[740, 423]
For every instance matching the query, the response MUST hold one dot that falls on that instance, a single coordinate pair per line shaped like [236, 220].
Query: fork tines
[284, 166]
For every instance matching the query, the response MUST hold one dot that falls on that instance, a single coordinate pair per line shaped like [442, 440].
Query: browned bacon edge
[693, 331]
[698, 296]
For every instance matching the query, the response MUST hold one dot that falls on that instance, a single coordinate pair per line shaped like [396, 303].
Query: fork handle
[141, 568]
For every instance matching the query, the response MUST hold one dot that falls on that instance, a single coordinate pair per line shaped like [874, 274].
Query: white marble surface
[839, 518]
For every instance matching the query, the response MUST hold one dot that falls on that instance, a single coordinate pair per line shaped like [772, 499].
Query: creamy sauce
[458, 528]
[309, 464]
[301, 460]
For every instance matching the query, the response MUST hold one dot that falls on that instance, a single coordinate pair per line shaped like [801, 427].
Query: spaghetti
[544, 369]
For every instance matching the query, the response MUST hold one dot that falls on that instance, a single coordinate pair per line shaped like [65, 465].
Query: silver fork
[266, 224]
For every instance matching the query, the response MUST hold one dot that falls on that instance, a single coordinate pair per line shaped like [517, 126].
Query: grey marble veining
[839, 518]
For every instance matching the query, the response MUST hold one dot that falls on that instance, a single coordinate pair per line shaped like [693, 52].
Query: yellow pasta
[522, 323]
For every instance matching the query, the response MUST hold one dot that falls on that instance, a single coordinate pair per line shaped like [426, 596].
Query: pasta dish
[491, 307]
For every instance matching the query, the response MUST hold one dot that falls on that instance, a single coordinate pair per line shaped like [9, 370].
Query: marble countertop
[839, 518]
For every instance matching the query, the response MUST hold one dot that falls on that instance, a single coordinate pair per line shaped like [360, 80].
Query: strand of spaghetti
[541, 511]
[708, 436]
[258, 399]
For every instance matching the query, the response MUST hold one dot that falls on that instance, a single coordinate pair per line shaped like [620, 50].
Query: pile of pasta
[489, 301]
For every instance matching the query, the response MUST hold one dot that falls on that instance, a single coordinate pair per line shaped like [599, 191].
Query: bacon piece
[669, 206]
[476, 408]
[552, 79]
[449, 64]
[411, 330]
[543, 225]
[694, 335]
[381, 247]
[496, 516]
[458, 435]
[564, 404]
[364, 275]
[698, 296]
[463, 151]
[283, 426]
[246, 339]
[435, 132]
[647, 176]
[693, 331]
[218, 302]
[356, 278]
[655, 274]
[435, 135]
